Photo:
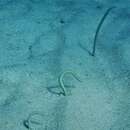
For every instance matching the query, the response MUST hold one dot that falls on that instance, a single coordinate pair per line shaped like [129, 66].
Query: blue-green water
[49, 79]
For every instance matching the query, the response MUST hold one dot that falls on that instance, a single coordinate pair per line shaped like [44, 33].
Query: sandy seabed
[41, 39]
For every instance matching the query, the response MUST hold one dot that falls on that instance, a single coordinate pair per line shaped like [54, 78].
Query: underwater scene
[64, 64]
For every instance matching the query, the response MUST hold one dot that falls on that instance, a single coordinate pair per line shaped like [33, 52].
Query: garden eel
[62, 83]
[98, 29]
[27, 123]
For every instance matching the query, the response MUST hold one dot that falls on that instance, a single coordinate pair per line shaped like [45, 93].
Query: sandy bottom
[40, 40]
